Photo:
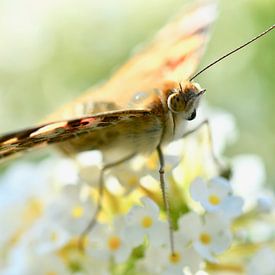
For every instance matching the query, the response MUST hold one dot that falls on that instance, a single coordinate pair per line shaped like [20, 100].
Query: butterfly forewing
[173, 55]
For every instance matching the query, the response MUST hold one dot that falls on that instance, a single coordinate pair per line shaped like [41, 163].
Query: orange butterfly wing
[173, 55]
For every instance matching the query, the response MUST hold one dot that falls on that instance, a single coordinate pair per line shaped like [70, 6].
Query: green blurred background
[50, 51]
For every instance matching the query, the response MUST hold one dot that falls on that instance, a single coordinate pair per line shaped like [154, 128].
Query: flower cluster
[46, 206]
[49, 221]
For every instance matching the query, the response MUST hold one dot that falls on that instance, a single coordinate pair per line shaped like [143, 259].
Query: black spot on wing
[77, 123]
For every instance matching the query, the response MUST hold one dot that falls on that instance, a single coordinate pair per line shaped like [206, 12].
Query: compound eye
[176, 103]
[192, 116]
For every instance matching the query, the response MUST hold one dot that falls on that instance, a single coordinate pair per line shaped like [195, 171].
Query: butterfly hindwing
[61, 131]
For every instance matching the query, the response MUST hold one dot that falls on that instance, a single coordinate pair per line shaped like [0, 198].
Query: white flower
[209, 236]
[46, 237]
[70, 211]
[128, 174]
[106, 242]
[23, 192]
[90, 165]
[172, 160]
[248, 178]
[143, 221]
[131, 173]
[183, 258]
[216, 195]
[262, 263]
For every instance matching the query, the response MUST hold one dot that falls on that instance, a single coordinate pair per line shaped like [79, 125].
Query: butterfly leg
[93, 221]
[213, 155]
[165, 197]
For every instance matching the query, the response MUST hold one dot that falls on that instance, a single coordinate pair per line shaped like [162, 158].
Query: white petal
[98, 235]
[209, 206]
[173, 269]
[90, 174]
[204, 251]
[219, 186]
[265, 204]
[47, 237]
[221, 241]
[134, 235]
[134, 215]
[215, 222]
[198, 190]
[159, 234]
[262, 263]
[90, 158]
[151, 205]
[119, 224]
[122, 254]
[192, 259]
[232, 206]
[149, 261]
[190, 225]
[172, 161]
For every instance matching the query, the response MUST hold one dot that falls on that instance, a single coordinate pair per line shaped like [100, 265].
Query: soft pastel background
[51, 51]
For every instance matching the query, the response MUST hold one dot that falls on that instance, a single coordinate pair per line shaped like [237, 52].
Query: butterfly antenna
[233, 51]
[180, 87]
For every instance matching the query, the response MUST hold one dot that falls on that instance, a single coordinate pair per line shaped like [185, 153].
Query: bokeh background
[50, 51]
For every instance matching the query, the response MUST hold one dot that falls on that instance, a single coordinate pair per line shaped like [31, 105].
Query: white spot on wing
[48, 128]
[10, 141]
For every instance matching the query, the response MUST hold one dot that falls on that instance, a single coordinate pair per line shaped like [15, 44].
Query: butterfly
[127, 115]
[142, 107]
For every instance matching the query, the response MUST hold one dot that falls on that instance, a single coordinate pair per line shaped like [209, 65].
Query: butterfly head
[185, 99]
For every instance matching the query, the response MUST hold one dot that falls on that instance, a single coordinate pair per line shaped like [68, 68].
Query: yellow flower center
[77, 212]
[133, 181]
[205, 238]
[146, 222]
[114, 243]
[32, 211]
[213, 199]
[175, 258]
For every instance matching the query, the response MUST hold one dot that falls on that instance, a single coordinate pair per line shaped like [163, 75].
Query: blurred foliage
[53, 50]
